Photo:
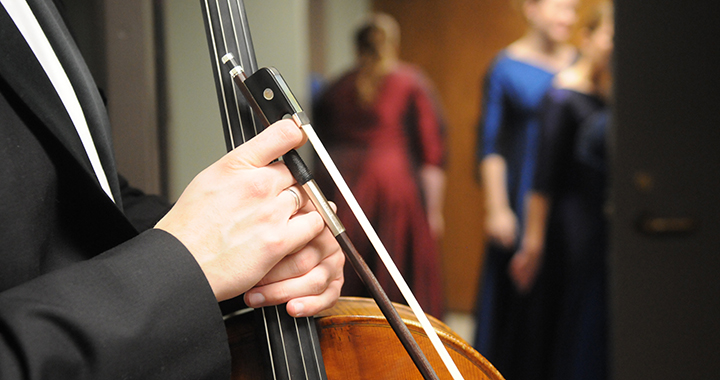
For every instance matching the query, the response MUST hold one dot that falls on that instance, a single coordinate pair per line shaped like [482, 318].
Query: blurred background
[151, 59]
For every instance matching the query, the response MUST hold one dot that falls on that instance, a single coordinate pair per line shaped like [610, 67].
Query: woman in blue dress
[565, 221]
[511, 326]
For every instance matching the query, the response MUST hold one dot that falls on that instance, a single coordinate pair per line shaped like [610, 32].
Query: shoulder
[516, 72]
[572, 79]
[500, 65]
[557, 101]
[343, 83]
[344, 78]
[411, 77]
[501, 72]
[570, 104]
[558, 96]
[409, 72]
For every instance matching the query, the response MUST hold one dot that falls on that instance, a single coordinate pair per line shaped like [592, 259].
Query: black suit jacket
[82, 294]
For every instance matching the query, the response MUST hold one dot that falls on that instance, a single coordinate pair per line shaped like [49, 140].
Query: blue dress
[513, 330]
[571, 173]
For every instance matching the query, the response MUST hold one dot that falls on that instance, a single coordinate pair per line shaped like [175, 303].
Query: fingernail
[255, 299]
[299, 307]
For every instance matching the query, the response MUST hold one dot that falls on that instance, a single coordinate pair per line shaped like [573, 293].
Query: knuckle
[340, 257]
[315, 284]
[238, 160]
[303, 263]
[315, 223]
[258, 186]
[272, 243]
[318, 285]
[280, 294]
[321, 282]
[289, 132]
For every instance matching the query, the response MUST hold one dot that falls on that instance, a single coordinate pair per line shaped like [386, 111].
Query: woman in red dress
[383, 128]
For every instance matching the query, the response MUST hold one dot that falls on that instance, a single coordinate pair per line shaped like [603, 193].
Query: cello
[357, 342]
[292, 347]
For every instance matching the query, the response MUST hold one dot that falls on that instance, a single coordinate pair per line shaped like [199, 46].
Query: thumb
[268, 145]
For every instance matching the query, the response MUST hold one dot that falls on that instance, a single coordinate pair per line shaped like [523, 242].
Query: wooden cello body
[358, 343]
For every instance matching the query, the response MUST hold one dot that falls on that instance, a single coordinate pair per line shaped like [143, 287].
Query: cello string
[269, 344]
[211, 31]
[302, 354]
[315, 353]
[225, 45]
[379, 247]
[244, 26]
[282, 339]
[234, 37]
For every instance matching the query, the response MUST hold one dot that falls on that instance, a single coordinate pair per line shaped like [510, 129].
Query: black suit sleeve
[142, 210]
[142, 310]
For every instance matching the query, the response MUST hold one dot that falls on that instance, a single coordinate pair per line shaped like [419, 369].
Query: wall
[194, 137]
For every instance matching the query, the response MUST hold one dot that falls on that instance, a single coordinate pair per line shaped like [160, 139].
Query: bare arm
[433, 183]
[500, 221]
[527, 261]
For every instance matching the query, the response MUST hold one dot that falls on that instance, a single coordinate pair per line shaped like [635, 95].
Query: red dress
[379, 149]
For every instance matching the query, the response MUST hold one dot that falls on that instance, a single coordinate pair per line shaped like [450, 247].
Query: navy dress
[513, 330]
[571, 173]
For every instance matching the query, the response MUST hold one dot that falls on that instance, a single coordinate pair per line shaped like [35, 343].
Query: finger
[515, 269]
[521, 277]
[312, 284]
[268, 145]
[508, 240]
[311, 305]
[300, 229]
[271, 180]
[295, 197]
[304, 260]
[501, 241]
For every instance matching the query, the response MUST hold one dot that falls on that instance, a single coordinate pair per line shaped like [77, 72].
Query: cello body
[358, 343]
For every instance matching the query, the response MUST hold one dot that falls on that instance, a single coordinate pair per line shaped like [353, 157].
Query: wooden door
[665, 261]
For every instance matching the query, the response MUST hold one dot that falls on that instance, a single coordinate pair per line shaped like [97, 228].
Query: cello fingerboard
[293, 346]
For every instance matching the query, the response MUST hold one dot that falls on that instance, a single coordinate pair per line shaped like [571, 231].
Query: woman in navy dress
[511, 326]
[565, 219]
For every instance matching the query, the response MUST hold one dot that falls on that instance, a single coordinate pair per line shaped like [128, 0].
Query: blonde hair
[602, 11]
[375, 33]
[518, 4]
[377, 42]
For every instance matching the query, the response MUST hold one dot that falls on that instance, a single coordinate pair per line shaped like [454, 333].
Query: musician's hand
[236, 217]
[309, 280]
